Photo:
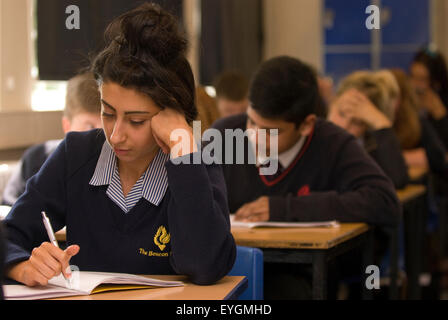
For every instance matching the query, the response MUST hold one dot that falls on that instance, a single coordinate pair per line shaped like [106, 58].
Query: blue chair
[249, 263]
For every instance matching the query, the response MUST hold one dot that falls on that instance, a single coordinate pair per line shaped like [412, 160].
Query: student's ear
[66, 124]
[307, 125]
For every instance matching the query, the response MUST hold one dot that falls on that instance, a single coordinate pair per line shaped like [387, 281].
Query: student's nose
[118, 134]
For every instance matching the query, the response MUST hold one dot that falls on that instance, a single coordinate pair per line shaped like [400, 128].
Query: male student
[323, 172]
[231, 93]
[81, 113]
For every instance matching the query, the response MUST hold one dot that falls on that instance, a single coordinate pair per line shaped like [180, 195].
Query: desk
[228, 288]
[315, 246]
[417, 174]
[414, 205]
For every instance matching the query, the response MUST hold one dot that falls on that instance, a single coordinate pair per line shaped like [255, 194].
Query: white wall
[19, 126]
[293, 27]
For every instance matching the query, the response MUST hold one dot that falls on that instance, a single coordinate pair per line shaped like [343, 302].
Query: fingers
[45, 260]
[49, 261]
[254, 211]
[162, 145]
[65, 263]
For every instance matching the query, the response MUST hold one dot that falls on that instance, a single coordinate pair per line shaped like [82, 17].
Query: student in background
[365, 107]
[419, 140]
[81, 113]
[231, 93]
[116, 190]
[323, 172]
[429, 78]
[207, 110]
[2, 260]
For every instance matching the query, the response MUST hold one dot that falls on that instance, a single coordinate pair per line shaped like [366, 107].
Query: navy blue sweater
[331, 178]
[194, 212]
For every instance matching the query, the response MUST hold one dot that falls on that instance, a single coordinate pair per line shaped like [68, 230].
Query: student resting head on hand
[127, 206]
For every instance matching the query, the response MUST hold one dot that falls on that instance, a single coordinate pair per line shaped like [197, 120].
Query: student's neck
[130, 172]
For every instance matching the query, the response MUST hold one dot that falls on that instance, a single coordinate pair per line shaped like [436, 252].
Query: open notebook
[320, 224]
[86, 283]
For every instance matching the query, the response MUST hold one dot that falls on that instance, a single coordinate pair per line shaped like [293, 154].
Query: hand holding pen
[46, 262]
[64, 263]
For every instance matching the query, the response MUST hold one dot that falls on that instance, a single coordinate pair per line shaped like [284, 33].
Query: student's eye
[107, 115]
[137, 122]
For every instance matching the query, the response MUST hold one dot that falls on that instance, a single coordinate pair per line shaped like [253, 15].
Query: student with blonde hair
[81, 113]
[364, 107]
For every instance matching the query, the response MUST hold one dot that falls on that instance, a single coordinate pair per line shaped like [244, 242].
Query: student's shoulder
[233, 122]
[84, 145]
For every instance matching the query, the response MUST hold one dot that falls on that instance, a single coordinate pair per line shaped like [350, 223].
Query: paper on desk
[318, 224]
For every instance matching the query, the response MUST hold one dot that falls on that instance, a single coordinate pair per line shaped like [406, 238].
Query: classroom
[192, 150]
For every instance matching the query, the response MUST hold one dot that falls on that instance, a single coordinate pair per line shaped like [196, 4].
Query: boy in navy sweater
[127, 206]
[323, 172]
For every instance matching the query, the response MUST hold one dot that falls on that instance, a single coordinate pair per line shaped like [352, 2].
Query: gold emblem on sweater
[162, 238]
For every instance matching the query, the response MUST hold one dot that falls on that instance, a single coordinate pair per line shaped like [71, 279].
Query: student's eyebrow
[126, 113]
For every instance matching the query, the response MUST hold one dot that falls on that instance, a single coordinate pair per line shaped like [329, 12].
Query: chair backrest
[249, 263]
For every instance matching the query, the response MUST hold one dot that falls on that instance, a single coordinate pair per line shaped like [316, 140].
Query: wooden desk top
[417, 173]
[297, 238]
[219, 291]
[410, 192]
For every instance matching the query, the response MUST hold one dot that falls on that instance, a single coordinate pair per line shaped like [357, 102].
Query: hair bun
[149, 30]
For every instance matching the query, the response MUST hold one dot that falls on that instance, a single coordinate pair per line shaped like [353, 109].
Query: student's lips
[121, 152]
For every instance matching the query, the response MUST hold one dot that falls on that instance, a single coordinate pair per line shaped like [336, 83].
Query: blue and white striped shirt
[152, 185]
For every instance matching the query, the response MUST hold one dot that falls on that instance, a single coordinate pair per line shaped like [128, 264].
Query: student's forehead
[125, 99]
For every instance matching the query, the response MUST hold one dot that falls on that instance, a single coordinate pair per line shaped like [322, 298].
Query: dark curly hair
[435, 62]
[145, 51]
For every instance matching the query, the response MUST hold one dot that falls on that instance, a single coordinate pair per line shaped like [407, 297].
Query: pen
[52, 238]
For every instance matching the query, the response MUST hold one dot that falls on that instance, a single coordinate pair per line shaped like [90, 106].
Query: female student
[429, 78]
[365, 108]
[419, 140]
[127, 206]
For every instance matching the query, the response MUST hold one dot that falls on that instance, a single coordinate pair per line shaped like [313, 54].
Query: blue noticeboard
[350, 46]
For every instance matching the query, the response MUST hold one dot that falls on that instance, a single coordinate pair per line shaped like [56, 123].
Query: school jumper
[32, 160]
[331, 178]
[383, 146]
[180, 226]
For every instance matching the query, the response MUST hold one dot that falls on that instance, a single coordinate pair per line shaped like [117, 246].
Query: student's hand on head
[336, 116]
[170, 121]
[46, 262]
[255, 211]
[355, 105]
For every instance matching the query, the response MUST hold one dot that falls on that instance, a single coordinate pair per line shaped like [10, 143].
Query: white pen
[52, 238]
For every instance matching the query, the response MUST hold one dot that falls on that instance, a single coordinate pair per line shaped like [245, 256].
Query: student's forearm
[368, 205]
[389, 157]
[203, 247]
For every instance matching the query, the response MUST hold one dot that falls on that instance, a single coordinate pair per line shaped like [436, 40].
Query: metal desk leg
[319, 275]
[415, 226]
[367, 260]
[394, 256]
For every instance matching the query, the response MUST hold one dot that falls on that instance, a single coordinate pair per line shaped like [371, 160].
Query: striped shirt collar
[152, 185]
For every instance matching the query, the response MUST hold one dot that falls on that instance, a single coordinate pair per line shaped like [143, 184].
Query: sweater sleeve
[360, 193]
[202, 244]
[441, 127]
[434, 148]
[389, 157]
[44, 192]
